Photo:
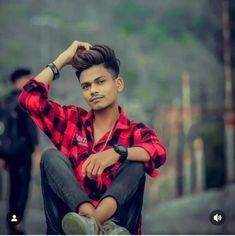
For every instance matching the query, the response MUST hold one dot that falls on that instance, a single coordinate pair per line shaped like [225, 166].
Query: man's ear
[119, 82]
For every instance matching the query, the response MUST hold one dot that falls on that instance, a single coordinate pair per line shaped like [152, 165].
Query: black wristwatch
[55, 71]
[122, 151]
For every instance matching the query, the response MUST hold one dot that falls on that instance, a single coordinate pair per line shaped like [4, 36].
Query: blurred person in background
[93, 182]
[19, 142]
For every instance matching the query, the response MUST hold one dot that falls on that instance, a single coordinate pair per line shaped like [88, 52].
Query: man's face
[99, 88]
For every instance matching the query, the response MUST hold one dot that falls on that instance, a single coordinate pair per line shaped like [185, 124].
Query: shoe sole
[72, 224]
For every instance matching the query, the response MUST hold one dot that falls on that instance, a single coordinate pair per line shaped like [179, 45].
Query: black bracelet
[55, 71]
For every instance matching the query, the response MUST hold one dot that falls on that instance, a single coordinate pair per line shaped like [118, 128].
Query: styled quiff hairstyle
[97, 55]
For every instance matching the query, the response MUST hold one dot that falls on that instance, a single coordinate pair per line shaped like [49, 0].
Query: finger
[84, 166]
[95, 170]
[86, 45]
[89, 169]
[75, 44]
[100, 171]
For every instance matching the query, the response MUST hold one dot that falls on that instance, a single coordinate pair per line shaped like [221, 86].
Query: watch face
[122, 149]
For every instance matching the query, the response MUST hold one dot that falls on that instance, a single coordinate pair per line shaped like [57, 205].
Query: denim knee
[47, 158]
[128, 179]
[52, 159]
[136, 168]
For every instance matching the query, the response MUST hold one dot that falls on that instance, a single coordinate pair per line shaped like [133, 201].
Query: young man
[98, 171]
[19, 162]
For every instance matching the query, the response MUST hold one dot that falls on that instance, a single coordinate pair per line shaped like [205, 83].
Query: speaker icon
[217, 217]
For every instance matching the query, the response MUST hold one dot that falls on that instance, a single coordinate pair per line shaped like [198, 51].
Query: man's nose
[93, 89]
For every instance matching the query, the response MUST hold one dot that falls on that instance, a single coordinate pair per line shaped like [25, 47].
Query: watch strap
[122, 151]
[54, 69]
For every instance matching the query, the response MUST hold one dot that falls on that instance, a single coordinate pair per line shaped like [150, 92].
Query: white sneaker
[73, 223]
[110, 228]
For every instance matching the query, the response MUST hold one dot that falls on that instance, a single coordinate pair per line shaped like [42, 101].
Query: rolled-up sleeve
[147, 139]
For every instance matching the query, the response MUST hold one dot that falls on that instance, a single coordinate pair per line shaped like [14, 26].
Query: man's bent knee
[52, 158]
[47, 157]
[136, 167]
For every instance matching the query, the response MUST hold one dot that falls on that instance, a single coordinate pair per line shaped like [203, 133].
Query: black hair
[97, 55]
[19, 72]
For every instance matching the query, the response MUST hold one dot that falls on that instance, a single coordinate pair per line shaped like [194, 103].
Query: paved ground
[190, 214]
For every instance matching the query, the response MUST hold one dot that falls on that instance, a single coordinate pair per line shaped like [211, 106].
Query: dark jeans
[62, 192]
[19, 178]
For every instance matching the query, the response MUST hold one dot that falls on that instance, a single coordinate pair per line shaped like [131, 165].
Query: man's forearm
[96, 163]
[46, 75]
[137, 154]
[134, 154]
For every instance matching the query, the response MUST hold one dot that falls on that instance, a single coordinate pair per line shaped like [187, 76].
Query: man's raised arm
[48, 115]
[65, 58]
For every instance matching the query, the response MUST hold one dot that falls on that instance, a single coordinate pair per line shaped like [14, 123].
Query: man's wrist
[115, 155]
[55, 71]
[61, 61]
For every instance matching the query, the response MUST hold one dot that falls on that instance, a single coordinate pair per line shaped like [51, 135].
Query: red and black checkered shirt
[70, 128]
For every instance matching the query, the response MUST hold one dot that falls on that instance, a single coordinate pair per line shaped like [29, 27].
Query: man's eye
[84, 87]
[100, 81]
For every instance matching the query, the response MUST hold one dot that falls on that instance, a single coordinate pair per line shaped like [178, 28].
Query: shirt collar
[123, 122]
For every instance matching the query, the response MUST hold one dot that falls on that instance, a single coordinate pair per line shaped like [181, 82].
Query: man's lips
[97, 98]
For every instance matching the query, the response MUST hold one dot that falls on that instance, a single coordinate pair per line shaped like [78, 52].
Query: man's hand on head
[72, 49]
[96, 163]
[51, 71]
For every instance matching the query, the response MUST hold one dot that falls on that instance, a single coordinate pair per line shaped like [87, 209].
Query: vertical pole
[200, 165]
[186, 123]
[186, 102]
